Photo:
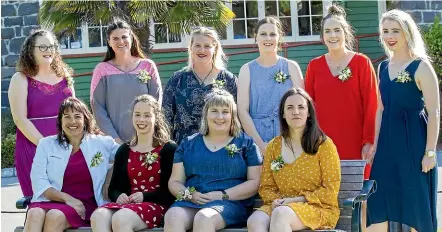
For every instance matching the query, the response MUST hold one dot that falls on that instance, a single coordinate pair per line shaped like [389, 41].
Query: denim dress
[209, 171]
[265, 95]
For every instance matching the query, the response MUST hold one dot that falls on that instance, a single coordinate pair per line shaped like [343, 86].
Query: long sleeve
[310, 80]
[169, 104]
[39, 177]
[268, 190]
[163, 195]
[155, 88]
[326, 195]
[369, 90]
[98, 105]
[120, 179]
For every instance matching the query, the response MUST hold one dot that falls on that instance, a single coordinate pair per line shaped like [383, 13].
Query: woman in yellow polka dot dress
[301, 173]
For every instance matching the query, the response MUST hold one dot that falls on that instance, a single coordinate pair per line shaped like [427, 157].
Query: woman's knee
[120, 219]
[35, 215]
[258, 220]
[207, 218]
[282, 213]
[55, 219]
[101, 215]
[174, 215]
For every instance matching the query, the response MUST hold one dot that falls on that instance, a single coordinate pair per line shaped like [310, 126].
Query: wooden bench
[354, 190]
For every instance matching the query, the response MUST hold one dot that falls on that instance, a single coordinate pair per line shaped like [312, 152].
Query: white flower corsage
[144, 76]
[97, 159]
[403, 77]
[277, 164]
[232, 150]
[344, 74]
[186, 194]
[148, 159]
[219, 84]
[280, 77]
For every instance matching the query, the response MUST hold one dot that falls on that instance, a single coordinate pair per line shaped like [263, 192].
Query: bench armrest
[23, 202]
[368, 188]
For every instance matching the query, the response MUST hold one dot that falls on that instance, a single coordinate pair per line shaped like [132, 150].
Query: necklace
[202, 82]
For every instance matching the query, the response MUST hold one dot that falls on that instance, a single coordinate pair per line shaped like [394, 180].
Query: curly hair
[74, 104]
[27, 64]
[161, 133]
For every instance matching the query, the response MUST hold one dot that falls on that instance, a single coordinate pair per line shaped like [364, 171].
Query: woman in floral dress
[185, 91]
[142, 168]
[124, 74]
[301, 173]
[263, 81]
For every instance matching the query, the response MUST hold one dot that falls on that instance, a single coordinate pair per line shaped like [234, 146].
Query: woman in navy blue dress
[407, 128]
[183, 98]
[215, 173]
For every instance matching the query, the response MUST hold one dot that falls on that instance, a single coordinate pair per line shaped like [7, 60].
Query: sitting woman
[138, 188]
[69, 171]
[215, 172]
[301, 174]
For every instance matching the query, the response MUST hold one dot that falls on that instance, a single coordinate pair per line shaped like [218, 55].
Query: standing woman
[36, 91]
[407, 126]
[185, 91]
[343, 86]
[263, 81]
[124, 74]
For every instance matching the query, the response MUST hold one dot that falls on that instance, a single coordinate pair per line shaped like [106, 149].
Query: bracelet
[185, 194]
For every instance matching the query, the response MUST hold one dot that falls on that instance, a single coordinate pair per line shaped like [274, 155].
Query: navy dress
[215, 171]
[404, 193]
[183, 101]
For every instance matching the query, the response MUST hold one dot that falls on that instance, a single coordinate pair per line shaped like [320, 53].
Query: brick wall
[18, 18]
[423, 11]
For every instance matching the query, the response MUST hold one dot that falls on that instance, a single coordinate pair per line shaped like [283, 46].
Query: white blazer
[51, 159]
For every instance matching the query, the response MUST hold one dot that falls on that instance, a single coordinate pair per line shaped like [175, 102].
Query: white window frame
[295, 37]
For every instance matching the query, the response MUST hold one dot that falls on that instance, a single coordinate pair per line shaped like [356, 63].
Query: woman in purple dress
[69, 171]
[42, 82]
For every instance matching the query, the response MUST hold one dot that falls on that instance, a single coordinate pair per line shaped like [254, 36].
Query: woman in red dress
[343, 85]
[138, 188]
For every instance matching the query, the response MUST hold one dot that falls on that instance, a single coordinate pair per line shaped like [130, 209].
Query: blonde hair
[416, 45]
[220, 97]
[218, 58]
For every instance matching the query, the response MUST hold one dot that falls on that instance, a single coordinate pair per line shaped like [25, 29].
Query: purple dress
[43, 102]
[77, 182]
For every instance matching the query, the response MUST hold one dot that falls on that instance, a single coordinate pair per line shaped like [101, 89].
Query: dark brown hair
[338, 13]
[161, 133]
[272, 20]
[135, 50]
[74, 104]
[312, 136]
[27, 64]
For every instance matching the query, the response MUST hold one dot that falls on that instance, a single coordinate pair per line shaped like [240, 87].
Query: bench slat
[351, 186]
[352, 170]
[353, 163]
[348, 178]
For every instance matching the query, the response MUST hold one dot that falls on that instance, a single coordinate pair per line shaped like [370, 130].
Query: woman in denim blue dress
[215, 173]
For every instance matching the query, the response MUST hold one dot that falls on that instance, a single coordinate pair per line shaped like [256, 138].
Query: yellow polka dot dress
[316, 177]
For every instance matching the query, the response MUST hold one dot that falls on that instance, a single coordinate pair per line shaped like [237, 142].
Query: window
[310, 14]
[72, 41]
[97, 36]
[246, 18]
[282, 10]
[162, 35]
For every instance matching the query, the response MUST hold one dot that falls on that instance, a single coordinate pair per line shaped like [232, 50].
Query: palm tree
[176, 16]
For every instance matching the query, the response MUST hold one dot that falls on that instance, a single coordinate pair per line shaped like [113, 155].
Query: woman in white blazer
[69, 171]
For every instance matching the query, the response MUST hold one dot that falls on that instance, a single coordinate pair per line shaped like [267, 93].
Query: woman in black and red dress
[138, 188]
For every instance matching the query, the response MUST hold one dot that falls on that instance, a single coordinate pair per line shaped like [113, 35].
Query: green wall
[363, 16]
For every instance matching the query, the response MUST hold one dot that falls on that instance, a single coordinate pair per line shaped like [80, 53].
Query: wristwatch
[225, 195]
[431, 154]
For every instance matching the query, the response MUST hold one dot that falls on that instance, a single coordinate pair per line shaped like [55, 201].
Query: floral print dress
[144, 177]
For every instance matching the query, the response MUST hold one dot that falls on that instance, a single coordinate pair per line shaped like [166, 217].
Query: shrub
[8, 146]
[8, 125]
[433, 40]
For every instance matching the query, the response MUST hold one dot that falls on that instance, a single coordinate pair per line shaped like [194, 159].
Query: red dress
[346, 110]
[143, 178]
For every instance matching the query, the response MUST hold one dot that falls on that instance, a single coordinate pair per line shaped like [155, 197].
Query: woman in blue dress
[184, 94]
[215, 173]
[407, 128]
[263, 81]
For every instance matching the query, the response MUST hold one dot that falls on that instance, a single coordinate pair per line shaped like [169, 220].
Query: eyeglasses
[44, 47]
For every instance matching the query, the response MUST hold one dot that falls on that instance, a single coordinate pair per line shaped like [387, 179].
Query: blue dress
[265, 95]
[183, 101]
[215, 171]
[404, 193]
